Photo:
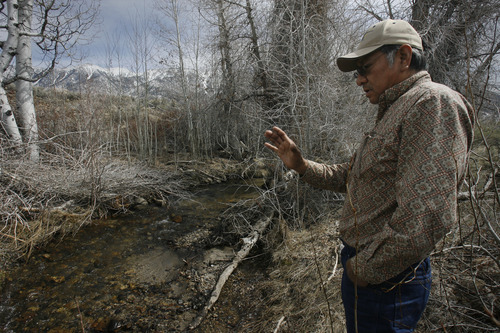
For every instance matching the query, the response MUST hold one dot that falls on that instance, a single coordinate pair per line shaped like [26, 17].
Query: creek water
[149, 271]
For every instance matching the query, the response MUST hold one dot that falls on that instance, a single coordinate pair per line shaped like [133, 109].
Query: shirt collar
[389, 96]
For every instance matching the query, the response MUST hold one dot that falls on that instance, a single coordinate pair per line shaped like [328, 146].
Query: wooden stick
[248, 243]
[13, 237]
[280, 322]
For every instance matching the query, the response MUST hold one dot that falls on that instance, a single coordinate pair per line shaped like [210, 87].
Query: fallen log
[248, 243]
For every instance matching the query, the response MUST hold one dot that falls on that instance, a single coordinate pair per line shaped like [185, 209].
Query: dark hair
[418, 60]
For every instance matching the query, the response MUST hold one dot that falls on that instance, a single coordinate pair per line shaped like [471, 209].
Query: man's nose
[360, 79]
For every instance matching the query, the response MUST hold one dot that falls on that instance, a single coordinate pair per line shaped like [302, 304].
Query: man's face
[375, 75]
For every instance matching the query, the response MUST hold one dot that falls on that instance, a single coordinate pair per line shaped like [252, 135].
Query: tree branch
[248, 243]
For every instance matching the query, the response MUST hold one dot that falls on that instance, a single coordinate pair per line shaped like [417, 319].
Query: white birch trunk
[24, 72]
[7, 119]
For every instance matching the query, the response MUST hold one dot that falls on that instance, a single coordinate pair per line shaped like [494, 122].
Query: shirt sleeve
[435, 139]
[327, 177]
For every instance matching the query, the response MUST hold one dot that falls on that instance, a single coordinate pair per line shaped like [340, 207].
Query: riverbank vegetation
[245, 67]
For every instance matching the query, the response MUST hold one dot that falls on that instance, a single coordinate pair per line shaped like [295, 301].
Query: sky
[116, 17]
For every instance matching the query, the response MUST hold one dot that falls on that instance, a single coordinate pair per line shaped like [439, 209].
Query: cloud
[117, 16]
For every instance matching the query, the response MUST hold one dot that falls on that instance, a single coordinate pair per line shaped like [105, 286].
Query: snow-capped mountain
[113, 81]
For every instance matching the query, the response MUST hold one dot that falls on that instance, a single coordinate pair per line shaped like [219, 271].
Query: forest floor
[292, 286]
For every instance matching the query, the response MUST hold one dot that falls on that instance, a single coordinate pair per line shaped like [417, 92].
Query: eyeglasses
[365, 69]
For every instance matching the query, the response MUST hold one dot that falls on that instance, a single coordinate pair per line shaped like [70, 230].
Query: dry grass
[302, 291]
[466, 279]
[304, 281]
[302, 288]
[59, 195]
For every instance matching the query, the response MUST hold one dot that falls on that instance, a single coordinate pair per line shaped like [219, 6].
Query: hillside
[112, 81]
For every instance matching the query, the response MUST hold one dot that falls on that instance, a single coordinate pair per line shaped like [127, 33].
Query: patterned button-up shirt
[401, 185]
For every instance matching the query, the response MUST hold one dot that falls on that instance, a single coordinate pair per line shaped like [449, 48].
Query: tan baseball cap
[388, 32]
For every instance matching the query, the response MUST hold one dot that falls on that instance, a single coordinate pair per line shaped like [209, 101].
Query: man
[401, 185]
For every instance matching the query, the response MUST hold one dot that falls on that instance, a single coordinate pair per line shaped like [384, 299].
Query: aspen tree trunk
[24, 72]
[7, 118]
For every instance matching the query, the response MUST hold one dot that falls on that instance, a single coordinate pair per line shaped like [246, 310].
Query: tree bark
[24, 85]
[7, 118]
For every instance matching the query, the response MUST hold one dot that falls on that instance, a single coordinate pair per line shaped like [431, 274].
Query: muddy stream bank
[152, 271]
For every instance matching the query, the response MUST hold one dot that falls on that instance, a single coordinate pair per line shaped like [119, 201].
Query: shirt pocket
[378, 154]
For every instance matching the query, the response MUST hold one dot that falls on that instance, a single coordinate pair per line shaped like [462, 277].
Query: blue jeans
[392, 306]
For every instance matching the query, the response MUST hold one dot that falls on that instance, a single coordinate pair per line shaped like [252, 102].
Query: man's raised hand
[286, 149]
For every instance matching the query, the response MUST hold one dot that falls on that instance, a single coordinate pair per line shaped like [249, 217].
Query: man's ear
[404, 56]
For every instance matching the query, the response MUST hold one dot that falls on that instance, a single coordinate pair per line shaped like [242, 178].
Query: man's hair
[418, 60]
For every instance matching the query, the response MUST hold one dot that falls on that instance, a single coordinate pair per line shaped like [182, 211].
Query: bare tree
[224, 127]
[141, 41]
[229, 110]
[260, 73]
[24, 85]
[9, 48]
[300, 64]
[171, 9]
[55, 26]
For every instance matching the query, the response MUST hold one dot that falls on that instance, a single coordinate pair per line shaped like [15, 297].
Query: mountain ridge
[113, 81]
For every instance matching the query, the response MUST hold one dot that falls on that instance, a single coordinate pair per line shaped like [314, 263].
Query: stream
[151, 271]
